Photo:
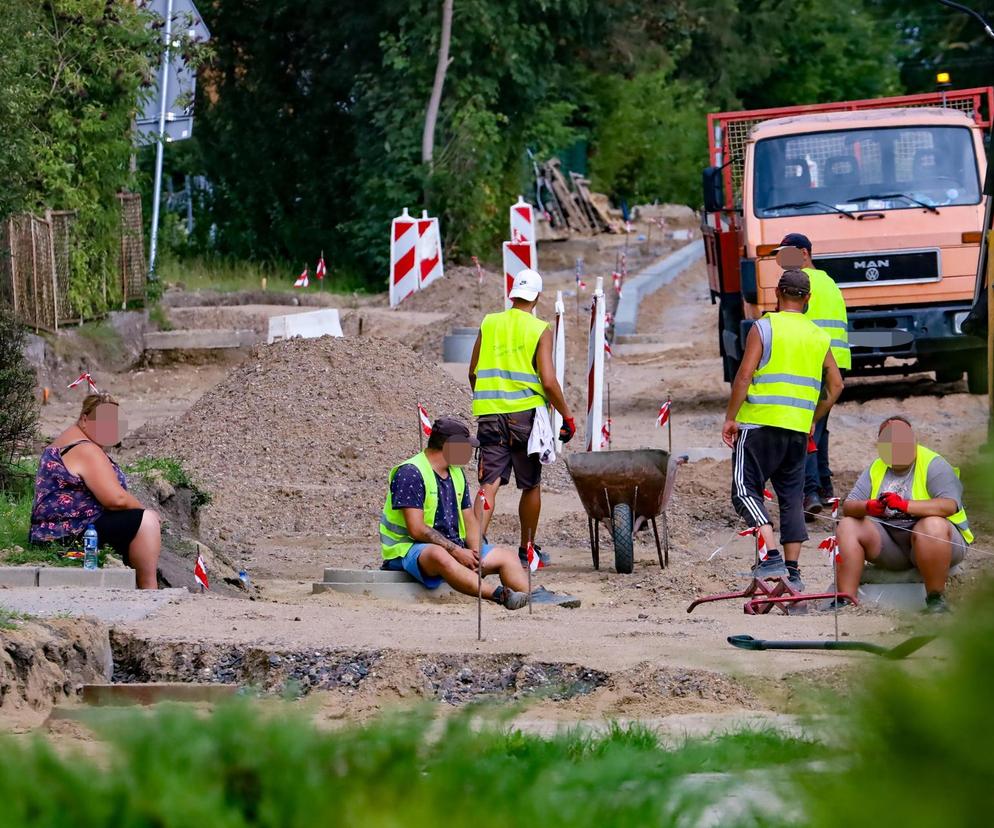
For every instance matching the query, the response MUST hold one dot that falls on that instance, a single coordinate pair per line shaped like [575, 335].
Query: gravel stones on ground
[302, 435]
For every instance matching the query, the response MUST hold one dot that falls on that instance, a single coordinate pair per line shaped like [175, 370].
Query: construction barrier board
[522, 220]
[559, 356]
[404, 264]
[429, 250]
[517, 257]
[308, 325]
[595, 369]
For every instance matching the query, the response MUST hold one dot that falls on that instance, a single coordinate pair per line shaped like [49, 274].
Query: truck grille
[873, 268]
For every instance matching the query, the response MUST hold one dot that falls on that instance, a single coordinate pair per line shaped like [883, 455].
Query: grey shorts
[897, 554]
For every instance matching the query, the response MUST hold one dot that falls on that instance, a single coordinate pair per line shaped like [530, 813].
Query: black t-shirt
[407, 491]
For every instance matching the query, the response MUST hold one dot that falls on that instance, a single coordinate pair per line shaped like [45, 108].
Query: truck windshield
[826, 172]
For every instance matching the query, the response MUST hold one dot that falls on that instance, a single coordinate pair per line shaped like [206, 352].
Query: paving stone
[153, 692]
[367, 576]
[73, 576]
[412, 591]
[18, 576]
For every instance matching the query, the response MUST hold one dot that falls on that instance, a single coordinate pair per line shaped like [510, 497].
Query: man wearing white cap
[512, 376]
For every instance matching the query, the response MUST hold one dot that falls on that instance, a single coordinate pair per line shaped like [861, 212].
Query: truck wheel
[729, 319]
[949, 375]
[624, 544]
[976, 375]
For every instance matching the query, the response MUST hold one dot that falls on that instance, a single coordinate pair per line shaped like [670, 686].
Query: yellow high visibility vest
[506, 377]
[827, 309]
[785, 388]
[919, 486]
[394, 538]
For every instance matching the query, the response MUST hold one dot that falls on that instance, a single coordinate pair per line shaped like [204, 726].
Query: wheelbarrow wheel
[624, 545]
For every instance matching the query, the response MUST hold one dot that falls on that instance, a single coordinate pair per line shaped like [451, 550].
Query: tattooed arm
[417, 529]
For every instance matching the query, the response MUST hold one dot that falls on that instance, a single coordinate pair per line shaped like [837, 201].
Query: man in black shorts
[512, 376]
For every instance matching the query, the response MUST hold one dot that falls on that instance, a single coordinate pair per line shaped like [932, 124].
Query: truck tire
[729, 319]
[976, 375]
[624, 543]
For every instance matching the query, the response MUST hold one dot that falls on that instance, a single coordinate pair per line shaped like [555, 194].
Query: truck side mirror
[714, 190]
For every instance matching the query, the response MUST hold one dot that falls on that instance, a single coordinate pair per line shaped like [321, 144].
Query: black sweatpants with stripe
[778, 455]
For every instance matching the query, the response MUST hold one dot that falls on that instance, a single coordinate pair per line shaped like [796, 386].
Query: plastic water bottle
[90, 560]
[243, 576]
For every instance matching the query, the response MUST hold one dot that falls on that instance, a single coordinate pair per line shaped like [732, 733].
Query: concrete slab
[366, 576]
[309, 325]
[650, 280]
[899, 597]
[117, 578]
[108, 605]
[412, 591]
[154, 692]
[18, 576]
[873, 575]
[199, 339]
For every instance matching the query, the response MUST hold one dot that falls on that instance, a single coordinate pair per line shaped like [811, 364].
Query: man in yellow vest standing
[905, 511]
[827, 309]
[776, 397]
[512, 376]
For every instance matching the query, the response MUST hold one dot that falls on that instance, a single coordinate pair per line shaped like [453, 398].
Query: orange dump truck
[890, 193]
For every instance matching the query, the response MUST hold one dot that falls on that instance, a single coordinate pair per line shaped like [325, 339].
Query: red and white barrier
[517, 257]
[429, 250]
[559, 356]
[595, 369]
[404, 265]
[523, 228]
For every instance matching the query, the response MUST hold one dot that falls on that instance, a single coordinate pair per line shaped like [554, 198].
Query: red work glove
[812, 446]
[567, 429]
[875, 508]
[894, 501]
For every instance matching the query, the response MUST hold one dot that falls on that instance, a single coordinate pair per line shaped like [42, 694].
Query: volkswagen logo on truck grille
[852, 271]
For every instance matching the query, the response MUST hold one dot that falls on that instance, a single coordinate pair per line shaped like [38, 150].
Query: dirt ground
[631, 648]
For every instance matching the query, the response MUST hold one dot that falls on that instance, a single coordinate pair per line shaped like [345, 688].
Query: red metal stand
[764, 596]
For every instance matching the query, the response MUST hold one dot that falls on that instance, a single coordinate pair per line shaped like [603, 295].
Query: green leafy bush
[241, 767]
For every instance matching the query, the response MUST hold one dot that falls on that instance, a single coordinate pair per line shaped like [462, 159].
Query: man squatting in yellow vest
[512, 375]
[906, 510]
[827, 309]
[776, 395]
[429, 530]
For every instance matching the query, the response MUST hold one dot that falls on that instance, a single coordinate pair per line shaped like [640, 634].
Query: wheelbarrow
[627, 489]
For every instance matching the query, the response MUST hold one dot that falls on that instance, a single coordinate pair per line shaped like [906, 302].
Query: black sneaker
[935, 604]
[837, 603]
[559, 599]
[812, 507]
[770, 569]
[794, 580]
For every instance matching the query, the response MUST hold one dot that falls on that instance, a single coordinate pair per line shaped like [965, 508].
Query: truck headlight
[958, 321]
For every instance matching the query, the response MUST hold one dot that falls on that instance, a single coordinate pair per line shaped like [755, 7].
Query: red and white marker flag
[320, 270]
[404, 265]
[616, 277]
[767, 494]
[302, 280]
[664, 414]
[834, 503]
[479, 271]
[607, 349]
[760, 540]
[578, 274]
[534, 559]
[517, 257]
[595, 369]
[84, 377]
[606, 433]
[429, 250]
[831, 545]
[559, 356]
[482, 496]
[425, 420]
[200, 572]
[523, 228]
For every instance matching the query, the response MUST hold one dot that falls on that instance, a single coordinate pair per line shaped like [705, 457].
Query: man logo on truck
[872, 268]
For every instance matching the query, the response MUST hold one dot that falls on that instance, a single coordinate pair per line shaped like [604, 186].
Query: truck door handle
[867, 216]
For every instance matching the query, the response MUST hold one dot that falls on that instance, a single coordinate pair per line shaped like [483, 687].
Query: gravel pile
[301, 437]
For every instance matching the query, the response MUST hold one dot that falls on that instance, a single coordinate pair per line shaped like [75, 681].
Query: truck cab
[891, 198]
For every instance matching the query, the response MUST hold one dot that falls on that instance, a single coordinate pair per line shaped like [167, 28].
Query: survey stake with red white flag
[534, 559]
[425, 420]
[200, 572]
[302, 279]
[760, 541]
[84, 377]
[320, 270]
[664, 414]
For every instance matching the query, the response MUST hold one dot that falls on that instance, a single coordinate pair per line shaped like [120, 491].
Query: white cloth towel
[542, 441]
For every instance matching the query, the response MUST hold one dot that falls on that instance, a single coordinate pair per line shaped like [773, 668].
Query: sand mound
[301, 436]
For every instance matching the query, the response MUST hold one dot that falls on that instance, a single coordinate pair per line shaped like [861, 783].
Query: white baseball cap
[527, 285]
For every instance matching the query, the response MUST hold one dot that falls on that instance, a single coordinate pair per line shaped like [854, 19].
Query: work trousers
[775, 454]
